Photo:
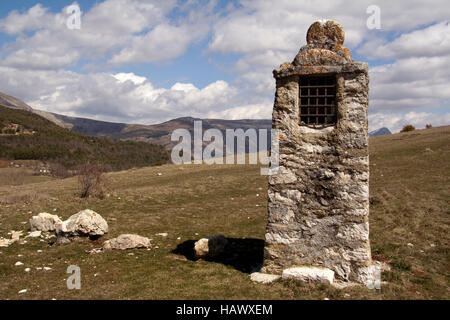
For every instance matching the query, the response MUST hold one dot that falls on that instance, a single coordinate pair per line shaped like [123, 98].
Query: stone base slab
[309, 274]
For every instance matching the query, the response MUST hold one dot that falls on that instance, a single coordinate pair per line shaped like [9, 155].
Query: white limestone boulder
[210, 246]
[86, 223]
[309, 274]
[44, 222]
[127, 241]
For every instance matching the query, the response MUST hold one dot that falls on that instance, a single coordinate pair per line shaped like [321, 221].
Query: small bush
[428, 126]
[408, 128]
[91, 180]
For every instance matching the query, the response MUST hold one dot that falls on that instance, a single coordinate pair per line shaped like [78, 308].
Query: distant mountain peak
[379, 132]
[13, 103]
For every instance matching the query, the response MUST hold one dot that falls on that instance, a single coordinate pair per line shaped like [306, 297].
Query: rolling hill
[28, 136]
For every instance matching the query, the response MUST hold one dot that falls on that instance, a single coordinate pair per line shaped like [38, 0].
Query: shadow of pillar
[245, 255]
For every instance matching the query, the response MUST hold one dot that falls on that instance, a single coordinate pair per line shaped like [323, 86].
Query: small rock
[22, 291]
[346, 295]
[47, 268]
[264, 277]
[4, 242]
[96, 251]
[34, 234]
[18, 263]
[39, 251]
[127, 241]
[27, 269]
[210, 246]
[162, 234]
[15, 235]
[410, 244]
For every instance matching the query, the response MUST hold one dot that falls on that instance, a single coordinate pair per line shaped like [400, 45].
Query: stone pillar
[318, 207]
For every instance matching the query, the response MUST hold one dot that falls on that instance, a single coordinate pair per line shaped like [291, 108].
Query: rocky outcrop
[44, 222]
[210, 246]
[86, 223]
[127, 241]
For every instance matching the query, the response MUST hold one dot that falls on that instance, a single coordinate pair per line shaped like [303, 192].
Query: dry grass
[409, 204]
[26, 197]
[20, 176]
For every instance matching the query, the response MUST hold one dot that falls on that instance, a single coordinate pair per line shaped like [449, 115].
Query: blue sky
[150, 61]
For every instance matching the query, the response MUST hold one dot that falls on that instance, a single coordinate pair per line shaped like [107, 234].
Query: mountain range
[156, 133]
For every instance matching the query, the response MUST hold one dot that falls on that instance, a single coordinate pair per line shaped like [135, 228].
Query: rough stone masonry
[318, 207]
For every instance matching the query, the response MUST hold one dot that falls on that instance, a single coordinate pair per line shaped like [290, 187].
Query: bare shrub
[428, 126]
[91, 180]
[408, 128]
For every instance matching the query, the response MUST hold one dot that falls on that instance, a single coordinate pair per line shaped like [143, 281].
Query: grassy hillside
[409, 220]
[52, 143]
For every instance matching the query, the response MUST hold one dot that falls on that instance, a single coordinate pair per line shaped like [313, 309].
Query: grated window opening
[317, 101]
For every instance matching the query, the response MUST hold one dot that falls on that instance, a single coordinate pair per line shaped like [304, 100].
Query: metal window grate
[317, 101]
